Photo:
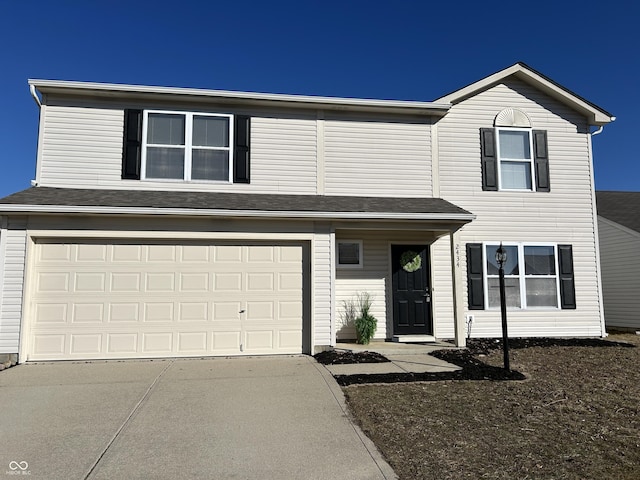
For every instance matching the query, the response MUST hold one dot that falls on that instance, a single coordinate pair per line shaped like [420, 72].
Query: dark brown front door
[411, 292]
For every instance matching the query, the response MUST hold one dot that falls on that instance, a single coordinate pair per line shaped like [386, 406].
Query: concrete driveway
[219, 418]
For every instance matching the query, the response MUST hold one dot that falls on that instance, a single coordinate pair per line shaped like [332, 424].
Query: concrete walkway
[404, 358]
[218, 418]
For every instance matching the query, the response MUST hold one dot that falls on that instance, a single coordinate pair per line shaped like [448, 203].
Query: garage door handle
[241, 311]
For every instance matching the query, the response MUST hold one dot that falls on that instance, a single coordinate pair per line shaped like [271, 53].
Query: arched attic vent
[512, 117]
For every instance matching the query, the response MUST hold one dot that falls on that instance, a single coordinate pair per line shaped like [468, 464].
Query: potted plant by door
[365, 322]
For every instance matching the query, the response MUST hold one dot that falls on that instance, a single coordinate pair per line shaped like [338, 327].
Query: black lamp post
[501, 258]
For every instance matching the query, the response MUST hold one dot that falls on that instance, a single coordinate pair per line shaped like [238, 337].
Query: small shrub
[365, 323]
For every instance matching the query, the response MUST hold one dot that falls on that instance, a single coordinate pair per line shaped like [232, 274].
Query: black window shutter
[241, 157]
[132, 144]
[541, 160]
[475, 280]
[489, 159]
[567, 284]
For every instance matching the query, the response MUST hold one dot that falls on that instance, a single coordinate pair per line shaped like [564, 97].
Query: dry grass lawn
[577, 416]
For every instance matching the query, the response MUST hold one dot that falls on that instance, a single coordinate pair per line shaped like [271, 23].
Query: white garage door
[119, 300]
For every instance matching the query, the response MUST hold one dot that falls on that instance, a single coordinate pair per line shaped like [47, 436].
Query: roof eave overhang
[594, 114]
[121, 91]
[17, 209]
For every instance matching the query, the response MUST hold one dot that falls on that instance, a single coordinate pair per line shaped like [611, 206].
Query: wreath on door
[410, 261]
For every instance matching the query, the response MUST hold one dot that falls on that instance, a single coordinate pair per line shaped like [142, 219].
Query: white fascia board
[84, 210]
[302, 101]
[595, 116]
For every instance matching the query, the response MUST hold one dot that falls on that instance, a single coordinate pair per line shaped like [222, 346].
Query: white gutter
[300, 100]
[34, 94]
[53, 209]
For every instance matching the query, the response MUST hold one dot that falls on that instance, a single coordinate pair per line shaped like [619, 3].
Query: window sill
[182, 182]
[350, 267]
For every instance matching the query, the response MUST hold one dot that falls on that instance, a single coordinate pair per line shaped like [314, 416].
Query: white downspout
[594, 209]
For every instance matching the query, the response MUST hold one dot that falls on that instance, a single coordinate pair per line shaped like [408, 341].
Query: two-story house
[186, 222]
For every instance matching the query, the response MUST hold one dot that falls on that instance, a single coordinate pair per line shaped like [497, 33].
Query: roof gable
[521, 71]
[620, 207]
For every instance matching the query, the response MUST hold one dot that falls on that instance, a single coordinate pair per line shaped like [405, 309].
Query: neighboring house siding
[620, 259]
[377, 157]
[13, 253]
[82, 148]
[564, 215]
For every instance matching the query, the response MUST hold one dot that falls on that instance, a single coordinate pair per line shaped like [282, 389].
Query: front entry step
[413, 338]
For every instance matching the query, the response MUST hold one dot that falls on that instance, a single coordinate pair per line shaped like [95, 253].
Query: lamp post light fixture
[501, 259]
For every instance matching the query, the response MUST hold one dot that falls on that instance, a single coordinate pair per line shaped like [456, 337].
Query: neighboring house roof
[144, 202]
[521, 71]
[620, 207]
[238, 98]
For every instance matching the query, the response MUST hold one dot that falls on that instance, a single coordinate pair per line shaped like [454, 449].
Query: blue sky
[410, 50]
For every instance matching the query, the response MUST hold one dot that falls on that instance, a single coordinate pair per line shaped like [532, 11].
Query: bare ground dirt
[576, 415]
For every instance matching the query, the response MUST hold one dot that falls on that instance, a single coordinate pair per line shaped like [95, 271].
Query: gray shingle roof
[47, 196]
[620, 207]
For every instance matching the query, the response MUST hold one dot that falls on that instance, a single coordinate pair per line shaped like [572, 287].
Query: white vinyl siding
[82, 148]
[442, 290]
[374, 278]
[321, 287]
[13, 256]
[620, 261]
[377, 158]
[562, 216]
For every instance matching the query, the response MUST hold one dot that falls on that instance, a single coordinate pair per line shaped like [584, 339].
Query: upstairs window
[514, 156]
[187, 146]
[515, 165]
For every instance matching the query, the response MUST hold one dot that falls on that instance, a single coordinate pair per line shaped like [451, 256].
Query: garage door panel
[87, 313]
[125, 344]
[50, 345]
[49, 282]
[157, 343]
[161, 253]
[124, 282]
[89, 282]
[124, 312]
[193, 312]
[228, 282]
[86, 344]
[192, 342]
[194, 282]
[119, 300]
[158, 312]
[126, 253]
[91, 253]
[54, 253]
[47, 313]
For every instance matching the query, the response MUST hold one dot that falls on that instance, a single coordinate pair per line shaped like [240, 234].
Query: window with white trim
[530, 274]
[187, 146]
[515, 159]
[350, 254]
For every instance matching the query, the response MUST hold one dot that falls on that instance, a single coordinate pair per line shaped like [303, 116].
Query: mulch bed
[576, 417]
[469, 359]
[342, 357]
